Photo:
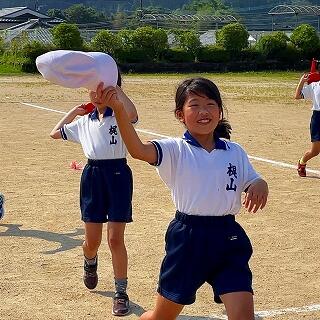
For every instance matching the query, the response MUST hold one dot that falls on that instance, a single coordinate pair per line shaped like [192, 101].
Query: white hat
[76, 69]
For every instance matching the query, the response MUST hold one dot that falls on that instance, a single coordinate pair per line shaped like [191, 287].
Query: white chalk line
[43, 108]
[274, 313]
[267, 313]
[259, 315]
[273, 162]
[63, 112]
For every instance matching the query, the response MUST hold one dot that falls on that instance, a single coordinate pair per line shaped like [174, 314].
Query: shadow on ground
[138, 310]
[66, 240]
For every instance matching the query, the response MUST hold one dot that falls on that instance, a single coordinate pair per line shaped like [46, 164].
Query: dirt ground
[41, 234]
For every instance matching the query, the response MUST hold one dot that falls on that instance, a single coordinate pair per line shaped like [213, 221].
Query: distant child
[105, 189]
[310, 91]
[1, 205]
[206, 175]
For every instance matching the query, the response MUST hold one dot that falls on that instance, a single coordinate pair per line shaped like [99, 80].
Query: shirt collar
[94, 115]
[219, 144]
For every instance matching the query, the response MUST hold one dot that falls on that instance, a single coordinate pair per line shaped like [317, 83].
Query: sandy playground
[41, 234]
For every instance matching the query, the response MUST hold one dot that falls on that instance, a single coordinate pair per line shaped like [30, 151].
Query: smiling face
[200, 114]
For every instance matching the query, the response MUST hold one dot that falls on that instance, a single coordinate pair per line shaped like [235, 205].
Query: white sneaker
[1, 206]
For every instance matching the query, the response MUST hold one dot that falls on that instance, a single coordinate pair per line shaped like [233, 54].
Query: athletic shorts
[315, 126]
[106, 191]
[203, 249]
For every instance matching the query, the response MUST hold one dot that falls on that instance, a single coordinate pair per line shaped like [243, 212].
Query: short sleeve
[307, 92]
[250, 174]
[70, 131]
[167, 151]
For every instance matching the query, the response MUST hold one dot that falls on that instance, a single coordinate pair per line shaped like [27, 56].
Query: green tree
[56, 13]
[119, 20]
[271, 45]
[189, 41]
[67, 36]
[107, 42]
[79, 13]
[233, 37]
[305, 38]
[2, 46]
[205, 6]
[31, 50]
[125, 36]
[152, 41]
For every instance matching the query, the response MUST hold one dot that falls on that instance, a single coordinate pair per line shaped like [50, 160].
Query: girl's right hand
[305, 77]
[79, 110]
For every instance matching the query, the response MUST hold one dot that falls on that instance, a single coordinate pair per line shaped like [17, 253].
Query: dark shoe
[121, 306]
[302, 169]
[90, 276]
[1, 206]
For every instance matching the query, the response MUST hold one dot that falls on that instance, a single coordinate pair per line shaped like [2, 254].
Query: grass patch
[274, 75]
[6, 69]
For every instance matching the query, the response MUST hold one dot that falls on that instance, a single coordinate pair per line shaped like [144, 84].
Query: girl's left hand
[256, 196]
[96, 97]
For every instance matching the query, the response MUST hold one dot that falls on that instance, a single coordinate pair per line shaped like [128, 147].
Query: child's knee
[115, 242]
[90, 246]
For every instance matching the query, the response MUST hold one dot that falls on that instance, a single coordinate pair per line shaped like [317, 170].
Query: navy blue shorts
[200, 249]
[106, 191]
[315, 126]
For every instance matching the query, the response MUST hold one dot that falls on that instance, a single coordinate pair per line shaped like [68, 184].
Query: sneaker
[302, 169]
[121, 306]
[1, 206]
[90, 276]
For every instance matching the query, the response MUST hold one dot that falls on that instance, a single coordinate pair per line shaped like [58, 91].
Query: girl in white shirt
[206, 175]
[310, 91]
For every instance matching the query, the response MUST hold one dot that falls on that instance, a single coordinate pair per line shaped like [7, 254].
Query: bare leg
[93, 236]
[313, 152]
[239, 305]
[115, 234]
[164, 310]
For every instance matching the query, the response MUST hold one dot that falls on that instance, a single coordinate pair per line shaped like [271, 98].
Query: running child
[310, 91]
[105, 189]
[1, 205]
[206, 175]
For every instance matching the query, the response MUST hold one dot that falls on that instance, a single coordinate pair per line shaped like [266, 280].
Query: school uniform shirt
[204, 183]
[312, 91]
[99, 139]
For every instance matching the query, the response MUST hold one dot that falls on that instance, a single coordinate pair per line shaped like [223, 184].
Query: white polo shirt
[312, 91]
[204, 183]
[99, 139]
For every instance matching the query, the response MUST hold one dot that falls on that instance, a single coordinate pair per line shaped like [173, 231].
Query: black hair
[203, 86]
[119, 81]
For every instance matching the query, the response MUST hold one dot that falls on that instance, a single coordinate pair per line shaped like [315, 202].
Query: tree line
[150, 46]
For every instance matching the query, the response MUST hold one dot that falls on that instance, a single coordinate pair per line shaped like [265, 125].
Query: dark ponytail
[223, 129]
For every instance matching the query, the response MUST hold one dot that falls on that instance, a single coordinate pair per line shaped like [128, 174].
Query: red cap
[89, 107]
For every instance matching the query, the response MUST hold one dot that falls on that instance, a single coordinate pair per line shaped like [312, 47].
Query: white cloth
[312, 91]
[204, 183]
[76, 69]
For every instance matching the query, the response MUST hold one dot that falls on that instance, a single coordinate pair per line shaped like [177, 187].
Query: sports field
[41, 233]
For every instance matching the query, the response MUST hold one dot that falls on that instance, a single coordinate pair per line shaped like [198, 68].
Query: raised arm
[69, 117]
[303, 80]
[138, 150]
[128, 105]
